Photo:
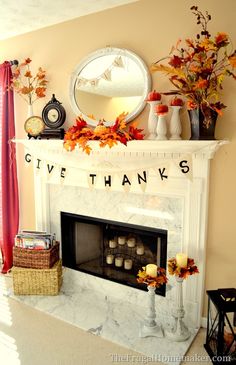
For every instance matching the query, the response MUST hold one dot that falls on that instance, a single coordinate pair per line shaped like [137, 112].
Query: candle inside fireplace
[109, 259]
[119, 261]
[151, 270]
[140, 250]
[181, 259]
[112, 244]
[128, 264]
[121, 240]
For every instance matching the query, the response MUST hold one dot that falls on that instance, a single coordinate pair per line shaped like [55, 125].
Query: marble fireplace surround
[180, 206]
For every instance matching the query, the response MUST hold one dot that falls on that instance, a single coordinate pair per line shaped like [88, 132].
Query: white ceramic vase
[30, 112]
[161, 129]
[152, 119]
[175, 127]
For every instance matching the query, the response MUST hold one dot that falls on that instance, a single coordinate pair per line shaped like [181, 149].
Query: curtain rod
[14, 62]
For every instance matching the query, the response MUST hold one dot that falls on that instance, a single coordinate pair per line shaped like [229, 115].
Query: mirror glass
[107, 83]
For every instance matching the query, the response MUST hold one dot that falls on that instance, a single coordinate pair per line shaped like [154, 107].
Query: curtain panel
[9, 202]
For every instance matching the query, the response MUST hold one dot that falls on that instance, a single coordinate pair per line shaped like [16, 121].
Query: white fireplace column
[193, 193]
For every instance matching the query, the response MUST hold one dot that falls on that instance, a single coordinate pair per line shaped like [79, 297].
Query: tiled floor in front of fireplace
[109, 317]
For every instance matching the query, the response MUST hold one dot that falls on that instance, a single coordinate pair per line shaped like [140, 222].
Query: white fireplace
[178, 205]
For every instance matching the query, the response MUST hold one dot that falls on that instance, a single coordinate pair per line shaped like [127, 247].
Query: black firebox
[112, 250]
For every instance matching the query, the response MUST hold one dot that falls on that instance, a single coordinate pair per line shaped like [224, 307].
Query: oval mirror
[108, 82]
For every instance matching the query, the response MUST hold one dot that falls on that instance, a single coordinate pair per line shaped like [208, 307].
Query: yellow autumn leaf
[69, 145]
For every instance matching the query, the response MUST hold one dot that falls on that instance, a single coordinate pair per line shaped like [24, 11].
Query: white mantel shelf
[166, 149]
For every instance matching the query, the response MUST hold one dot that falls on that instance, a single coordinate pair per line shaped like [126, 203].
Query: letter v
[50, 168]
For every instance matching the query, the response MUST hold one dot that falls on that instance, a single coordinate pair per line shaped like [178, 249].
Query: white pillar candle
[119, 261]
[181, 259]
[110, 259]
[121, 240]
[140, 250]
[131, 242]
[128, 264]
[112, 243]
[151, 270]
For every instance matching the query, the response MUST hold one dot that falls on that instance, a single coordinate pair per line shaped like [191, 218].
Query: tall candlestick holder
[153, 276]
[149, 327]
[176, 266]
[180, 331]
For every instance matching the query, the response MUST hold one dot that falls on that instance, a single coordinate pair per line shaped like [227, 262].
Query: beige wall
[149, 28]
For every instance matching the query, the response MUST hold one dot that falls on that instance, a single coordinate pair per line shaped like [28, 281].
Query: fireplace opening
[112, 250]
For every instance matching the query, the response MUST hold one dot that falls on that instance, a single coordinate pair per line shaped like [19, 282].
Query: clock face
[53, 115]
[34, 126]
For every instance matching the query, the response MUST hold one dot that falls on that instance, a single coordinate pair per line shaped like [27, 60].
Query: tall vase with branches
[30, 87]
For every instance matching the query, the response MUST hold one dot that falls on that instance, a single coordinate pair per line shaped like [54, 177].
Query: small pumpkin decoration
[100, 128]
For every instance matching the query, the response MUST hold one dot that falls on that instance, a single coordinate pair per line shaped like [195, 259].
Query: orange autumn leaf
[69, 145]
[28, 74]
[201, 84]
[40, 92]
[232, 60]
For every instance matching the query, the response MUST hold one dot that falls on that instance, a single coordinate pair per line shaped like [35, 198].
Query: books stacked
[36, 240]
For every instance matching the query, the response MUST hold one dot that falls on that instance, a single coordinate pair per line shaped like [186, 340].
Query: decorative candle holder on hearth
[181, 267]
[153, 276]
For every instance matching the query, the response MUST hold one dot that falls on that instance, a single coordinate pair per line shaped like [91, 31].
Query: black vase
[202, 123]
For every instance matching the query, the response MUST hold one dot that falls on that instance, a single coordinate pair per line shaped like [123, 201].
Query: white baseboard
[204, 322]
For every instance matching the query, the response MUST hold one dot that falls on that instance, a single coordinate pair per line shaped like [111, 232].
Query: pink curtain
[9, 203]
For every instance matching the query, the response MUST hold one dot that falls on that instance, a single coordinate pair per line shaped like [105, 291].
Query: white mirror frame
[110, 51]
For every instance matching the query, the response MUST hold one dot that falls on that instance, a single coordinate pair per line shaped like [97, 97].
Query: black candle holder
[221, 321]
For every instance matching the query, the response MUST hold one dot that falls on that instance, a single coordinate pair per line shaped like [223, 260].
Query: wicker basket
[35, 259]
[37, 281]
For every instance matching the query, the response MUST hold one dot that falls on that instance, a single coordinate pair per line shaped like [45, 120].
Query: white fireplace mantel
[163, 149]
[193, 194]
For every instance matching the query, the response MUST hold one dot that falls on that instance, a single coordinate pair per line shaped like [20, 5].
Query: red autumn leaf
[135, 133]
[175, 62]
[221, 39]
[80, 123]
[123, 140]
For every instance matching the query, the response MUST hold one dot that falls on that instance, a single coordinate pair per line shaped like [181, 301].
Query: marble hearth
[178, 206]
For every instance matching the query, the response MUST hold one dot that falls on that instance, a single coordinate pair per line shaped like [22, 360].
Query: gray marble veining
[108, 314]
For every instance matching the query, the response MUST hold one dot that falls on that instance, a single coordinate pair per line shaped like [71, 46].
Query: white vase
[161, 129]
[30, 112]
[175, 123]
[152, 119]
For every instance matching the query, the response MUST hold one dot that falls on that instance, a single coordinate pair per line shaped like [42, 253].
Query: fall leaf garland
[80, 134]
[156, 282]
[182, 272]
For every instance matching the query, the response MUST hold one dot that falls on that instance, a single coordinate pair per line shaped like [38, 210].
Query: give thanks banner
[107, 175]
